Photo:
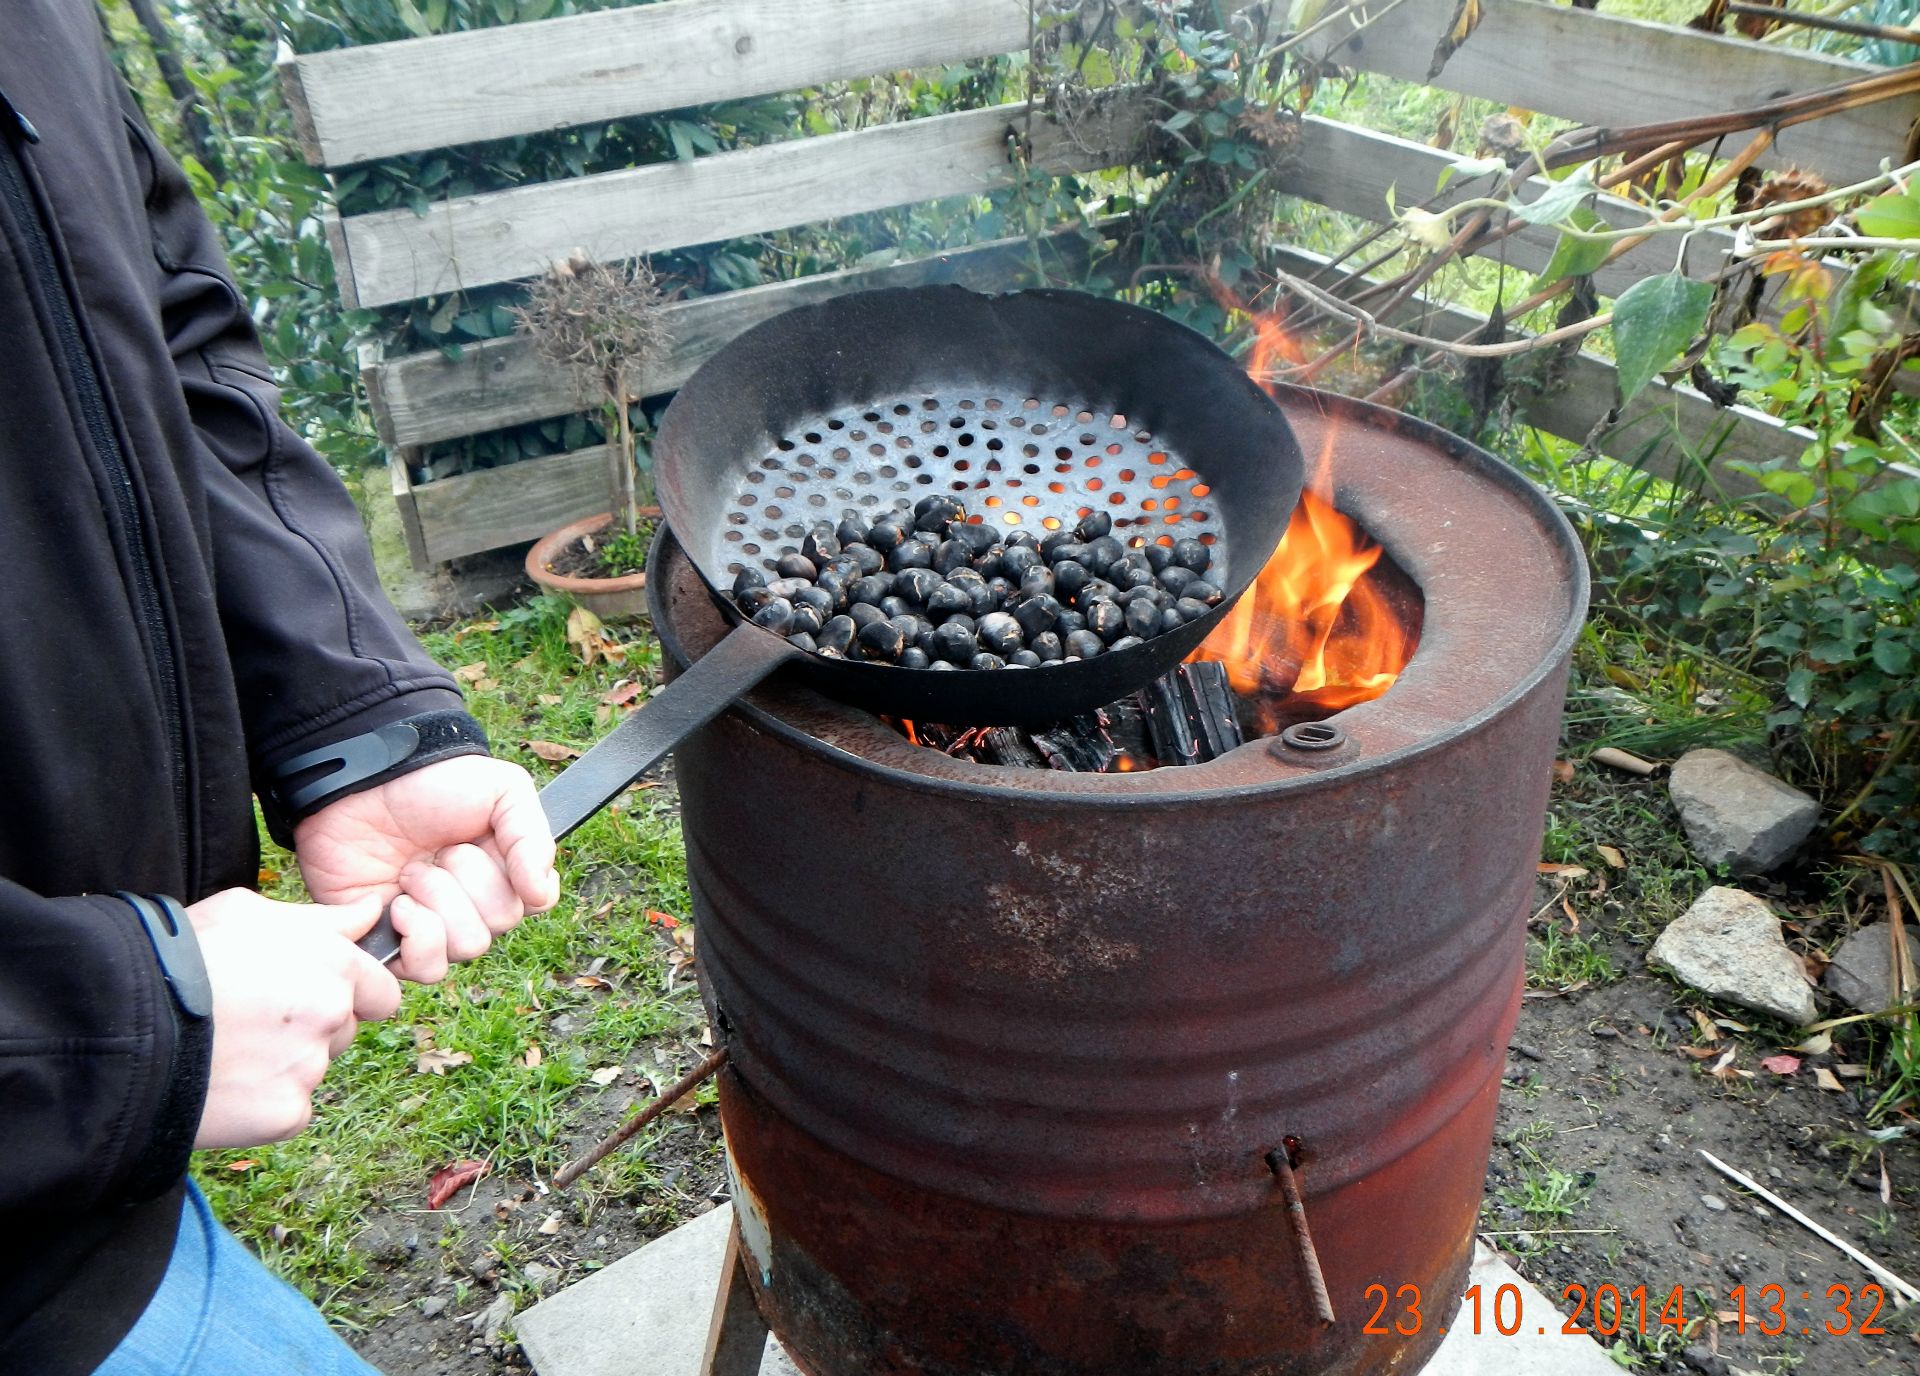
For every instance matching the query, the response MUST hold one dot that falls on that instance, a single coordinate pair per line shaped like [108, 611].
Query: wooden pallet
[525, 78]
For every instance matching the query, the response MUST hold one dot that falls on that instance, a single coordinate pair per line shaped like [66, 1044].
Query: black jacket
[185, 598]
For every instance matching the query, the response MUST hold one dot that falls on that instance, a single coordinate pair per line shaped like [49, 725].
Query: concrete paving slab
[647, 1315]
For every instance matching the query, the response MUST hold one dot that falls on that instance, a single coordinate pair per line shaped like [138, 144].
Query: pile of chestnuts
[933, 590]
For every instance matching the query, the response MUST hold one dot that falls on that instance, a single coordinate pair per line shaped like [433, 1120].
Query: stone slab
[647, 1315]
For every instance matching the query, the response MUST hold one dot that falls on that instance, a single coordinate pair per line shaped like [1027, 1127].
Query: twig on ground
[675, 1092]
[1903, 1290]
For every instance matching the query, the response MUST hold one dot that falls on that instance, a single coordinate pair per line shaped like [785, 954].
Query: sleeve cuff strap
[301, 786]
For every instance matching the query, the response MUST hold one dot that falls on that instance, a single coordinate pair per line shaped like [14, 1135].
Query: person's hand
[460, 847]
[290, 989]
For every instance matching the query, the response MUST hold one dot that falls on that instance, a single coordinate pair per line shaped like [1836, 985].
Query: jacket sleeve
[102, 1093]
[319, 653]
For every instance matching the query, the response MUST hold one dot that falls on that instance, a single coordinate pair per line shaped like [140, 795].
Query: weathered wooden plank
[503, 506]
[425, 397]
[1601, 69]
[590, 68]
[1657, 432]
[477, 240]
[402, 488]
[1352, 170]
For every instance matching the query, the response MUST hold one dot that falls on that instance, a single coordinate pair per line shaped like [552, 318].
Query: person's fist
[461, 848]
[290, 989]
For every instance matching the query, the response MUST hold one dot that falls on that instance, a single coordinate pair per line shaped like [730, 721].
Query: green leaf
[1800, 687]
[1177, 121]
[1559, 199]
[1653, 320]
[1893, 656]
[1895, 215]
[1574, 256]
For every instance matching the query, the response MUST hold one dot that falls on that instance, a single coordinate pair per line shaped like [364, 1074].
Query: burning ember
[1318, 631]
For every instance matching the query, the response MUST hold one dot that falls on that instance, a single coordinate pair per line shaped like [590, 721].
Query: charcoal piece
[1167, 724]
[1211, 706]
[1078, 745]
[1009, 746]
[1127, 728]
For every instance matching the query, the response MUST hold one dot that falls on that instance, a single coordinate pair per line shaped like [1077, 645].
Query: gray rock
[1728, 944]
[495, 1318]
[1861, 975]
[433, 1306]
[537, 1275]
[1714, 1202]
[1737, 815]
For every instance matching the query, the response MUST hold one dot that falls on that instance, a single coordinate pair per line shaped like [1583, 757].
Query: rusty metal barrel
[1010, 1049]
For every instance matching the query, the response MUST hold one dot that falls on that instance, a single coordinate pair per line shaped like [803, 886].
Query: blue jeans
[219, 1312]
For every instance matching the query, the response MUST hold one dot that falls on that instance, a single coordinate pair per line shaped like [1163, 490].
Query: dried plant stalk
[603, 321]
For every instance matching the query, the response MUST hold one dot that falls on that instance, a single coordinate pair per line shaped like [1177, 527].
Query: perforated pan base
[1015, 462]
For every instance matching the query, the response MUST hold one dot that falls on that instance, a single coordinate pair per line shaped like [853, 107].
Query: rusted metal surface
[1009, 1048]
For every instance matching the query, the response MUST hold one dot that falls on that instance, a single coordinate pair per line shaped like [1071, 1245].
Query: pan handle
[709, 686]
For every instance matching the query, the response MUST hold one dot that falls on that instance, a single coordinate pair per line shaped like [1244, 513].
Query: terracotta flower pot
[610, 599]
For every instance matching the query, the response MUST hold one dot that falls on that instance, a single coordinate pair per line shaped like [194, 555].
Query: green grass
[382, 1127]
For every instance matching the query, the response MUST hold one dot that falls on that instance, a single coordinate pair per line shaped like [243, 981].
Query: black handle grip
[708, 687]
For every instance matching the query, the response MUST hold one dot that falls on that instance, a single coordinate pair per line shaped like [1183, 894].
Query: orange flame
[1317, 632]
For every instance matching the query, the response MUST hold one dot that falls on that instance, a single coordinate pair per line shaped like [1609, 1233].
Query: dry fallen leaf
[1819, 1044]
[245, 1164]
[434, 1061]
[606, 1075]
[1852, 1072]
[532, 1057]
[549, 699]
[601, 911]
[1700, 1053]
[1731, 1025]
[592, 982]
[623, 692]
[1827, 1080]
[552, 751]
[656, 918]
[1780, 1065]
[269, 877]
[1563, 771]
[450, 1180]
[1612, 855]
[471, 673]
[549, 1225]
[1567, 872]
[1705, 1024]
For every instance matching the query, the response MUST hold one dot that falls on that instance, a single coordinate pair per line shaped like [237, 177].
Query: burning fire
[1317, 632]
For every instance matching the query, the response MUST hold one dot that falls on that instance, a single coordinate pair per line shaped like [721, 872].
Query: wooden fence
[385, 100]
